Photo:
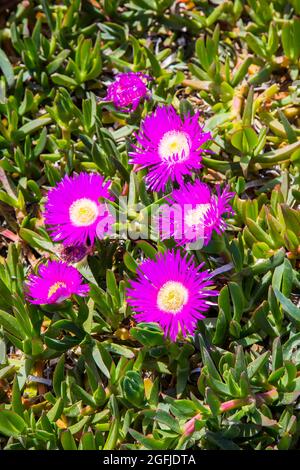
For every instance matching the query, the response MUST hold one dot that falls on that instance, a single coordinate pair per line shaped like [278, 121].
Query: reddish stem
[259, 398]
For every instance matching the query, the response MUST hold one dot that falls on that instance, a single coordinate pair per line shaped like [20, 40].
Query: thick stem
[259, 398]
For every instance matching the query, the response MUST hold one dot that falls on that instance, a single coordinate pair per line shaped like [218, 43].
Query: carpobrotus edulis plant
[54, 282]
[196, 213]
[128, 89]
[73, 209]
[118, 116]
[172, 291]
[168, 146]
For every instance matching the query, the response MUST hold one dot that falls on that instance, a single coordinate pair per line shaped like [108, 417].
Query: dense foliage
[82, 373]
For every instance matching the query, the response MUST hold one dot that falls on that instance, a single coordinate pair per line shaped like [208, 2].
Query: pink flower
[55, 282]
[171, 291]
[195, 213]
[128, 90]
[73, 210]
[169, 147]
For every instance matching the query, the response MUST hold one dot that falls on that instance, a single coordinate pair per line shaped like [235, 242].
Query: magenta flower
[172, 291]
[168, 146]
[194, 213]
[55, 282]
[73, 211]
[128, 90]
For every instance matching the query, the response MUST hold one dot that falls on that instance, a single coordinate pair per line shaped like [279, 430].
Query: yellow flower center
[54, 288]
[83, 212]
[174, 143]
[172, 296]
[194, 216]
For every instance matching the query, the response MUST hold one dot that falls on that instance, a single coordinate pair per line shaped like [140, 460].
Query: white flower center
[172, 296]
[174, 144]
[54, 288]
[195, 216]
[83, 212]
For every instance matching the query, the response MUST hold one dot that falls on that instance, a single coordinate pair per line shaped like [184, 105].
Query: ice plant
[73, 209]
[128, 90]
[168, 146]
[55, 282]
[195, 213]
[172, 291]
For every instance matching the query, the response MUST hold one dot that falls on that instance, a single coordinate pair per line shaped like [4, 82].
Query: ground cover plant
[117, 332]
